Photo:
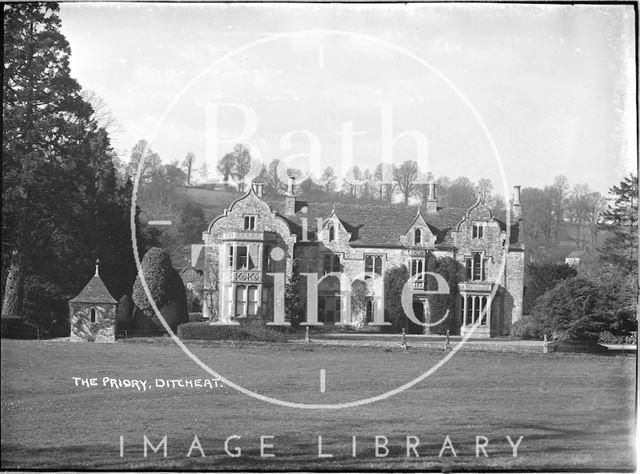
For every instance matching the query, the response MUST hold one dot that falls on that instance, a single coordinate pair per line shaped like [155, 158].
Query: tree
[165, 288]
[294, 305]
[274, 184]
[595, 205]
[63, 203]
[225, 168]
[328, 179]
[102, 114]
[150, 161]
[405, 177]
[394, 281]
[383, 178]
[461, 193]
[204, 172]
[621, 219]
[450, 270]
[174, 174]
[242, 165]
[538, 227]
[573, 310]
[188, 165]
[559, 192]
[484, 190]
[540, 278]
[44, 124]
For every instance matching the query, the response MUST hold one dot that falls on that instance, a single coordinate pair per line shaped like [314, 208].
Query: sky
[515, 93]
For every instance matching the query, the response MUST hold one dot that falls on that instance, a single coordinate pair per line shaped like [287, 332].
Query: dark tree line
[62, 203]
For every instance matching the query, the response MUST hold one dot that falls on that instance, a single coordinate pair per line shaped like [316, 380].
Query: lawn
[573, 411]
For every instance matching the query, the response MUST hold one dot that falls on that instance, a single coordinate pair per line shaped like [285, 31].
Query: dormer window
[417, 236]
[332, 233]
[478, 231]
[249, 222]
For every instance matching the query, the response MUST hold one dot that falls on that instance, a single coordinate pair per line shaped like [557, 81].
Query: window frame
[250, 222]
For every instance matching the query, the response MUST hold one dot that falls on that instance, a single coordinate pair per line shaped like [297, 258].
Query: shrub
[573, 310]
[250, 332]
[541, 277]
[166, 288]
[394, 281]
[156, 267]
[527, 327]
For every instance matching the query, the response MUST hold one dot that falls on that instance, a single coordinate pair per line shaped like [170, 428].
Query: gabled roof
[373, 225]
[94, 292]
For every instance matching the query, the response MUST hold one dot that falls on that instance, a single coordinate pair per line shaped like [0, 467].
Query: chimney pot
[516, 195]
[292, 181]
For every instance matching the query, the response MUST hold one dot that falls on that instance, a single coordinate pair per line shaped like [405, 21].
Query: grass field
[574, 411]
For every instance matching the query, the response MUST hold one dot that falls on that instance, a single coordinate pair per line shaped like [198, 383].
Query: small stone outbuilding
[92, 313]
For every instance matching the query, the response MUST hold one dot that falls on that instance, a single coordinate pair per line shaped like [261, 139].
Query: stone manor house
[250, 252]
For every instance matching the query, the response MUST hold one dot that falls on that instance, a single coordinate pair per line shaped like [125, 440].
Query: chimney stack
[259, 189]
[290, 198]
[292, 182]
[517, 206]
[432, 201]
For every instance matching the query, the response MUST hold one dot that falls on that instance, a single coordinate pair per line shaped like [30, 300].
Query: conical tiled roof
[94, 292]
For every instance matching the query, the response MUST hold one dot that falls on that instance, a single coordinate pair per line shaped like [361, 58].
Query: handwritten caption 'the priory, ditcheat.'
[144, 385]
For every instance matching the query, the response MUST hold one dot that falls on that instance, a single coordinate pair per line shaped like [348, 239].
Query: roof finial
[97, 266]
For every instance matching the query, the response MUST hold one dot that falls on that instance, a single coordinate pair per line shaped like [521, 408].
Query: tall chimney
[259, 188]
[290, 198]
[517, 206]
[432, 201]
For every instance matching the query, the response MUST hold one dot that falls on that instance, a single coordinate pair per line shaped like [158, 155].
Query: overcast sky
[553, 86]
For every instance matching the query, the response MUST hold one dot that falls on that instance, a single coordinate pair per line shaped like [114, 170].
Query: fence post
[545, 347]
[403, 344]
[447, 344]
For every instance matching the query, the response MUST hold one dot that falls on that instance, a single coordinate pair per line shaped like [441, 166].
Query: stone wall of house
[233, 221]
[507, 303]
[83, 330]
[514, 289]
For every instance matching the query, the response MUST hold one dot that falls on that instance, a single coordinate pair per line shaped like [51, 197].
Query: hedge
[204, 331]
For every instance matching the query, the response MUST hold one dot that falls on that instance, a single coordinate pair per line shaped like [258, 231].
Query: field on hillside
[213, 202]
[573, 411]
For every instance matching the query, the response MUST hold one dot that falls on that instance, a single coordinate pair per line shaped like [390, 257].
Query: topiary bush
[166, 289]
[251, 332]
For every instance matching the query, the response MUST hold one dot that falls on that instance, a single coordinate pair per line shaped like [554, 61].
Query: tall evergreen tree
[621, 219]
[44, 122]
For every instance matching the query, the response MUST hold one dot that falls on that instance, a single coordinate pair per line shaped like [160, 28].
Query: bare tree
[188, 165]
[405, 177]
[328, 179]
[559, 192]
[102, 114]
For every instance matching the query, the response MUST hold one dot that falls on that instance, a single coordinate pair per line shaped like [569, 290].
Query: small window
[478, 231]
[230, 256]
[93, 315]
[417, 236]
[417, 267]
[372, 265]
[332, 233]
[249, 222]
